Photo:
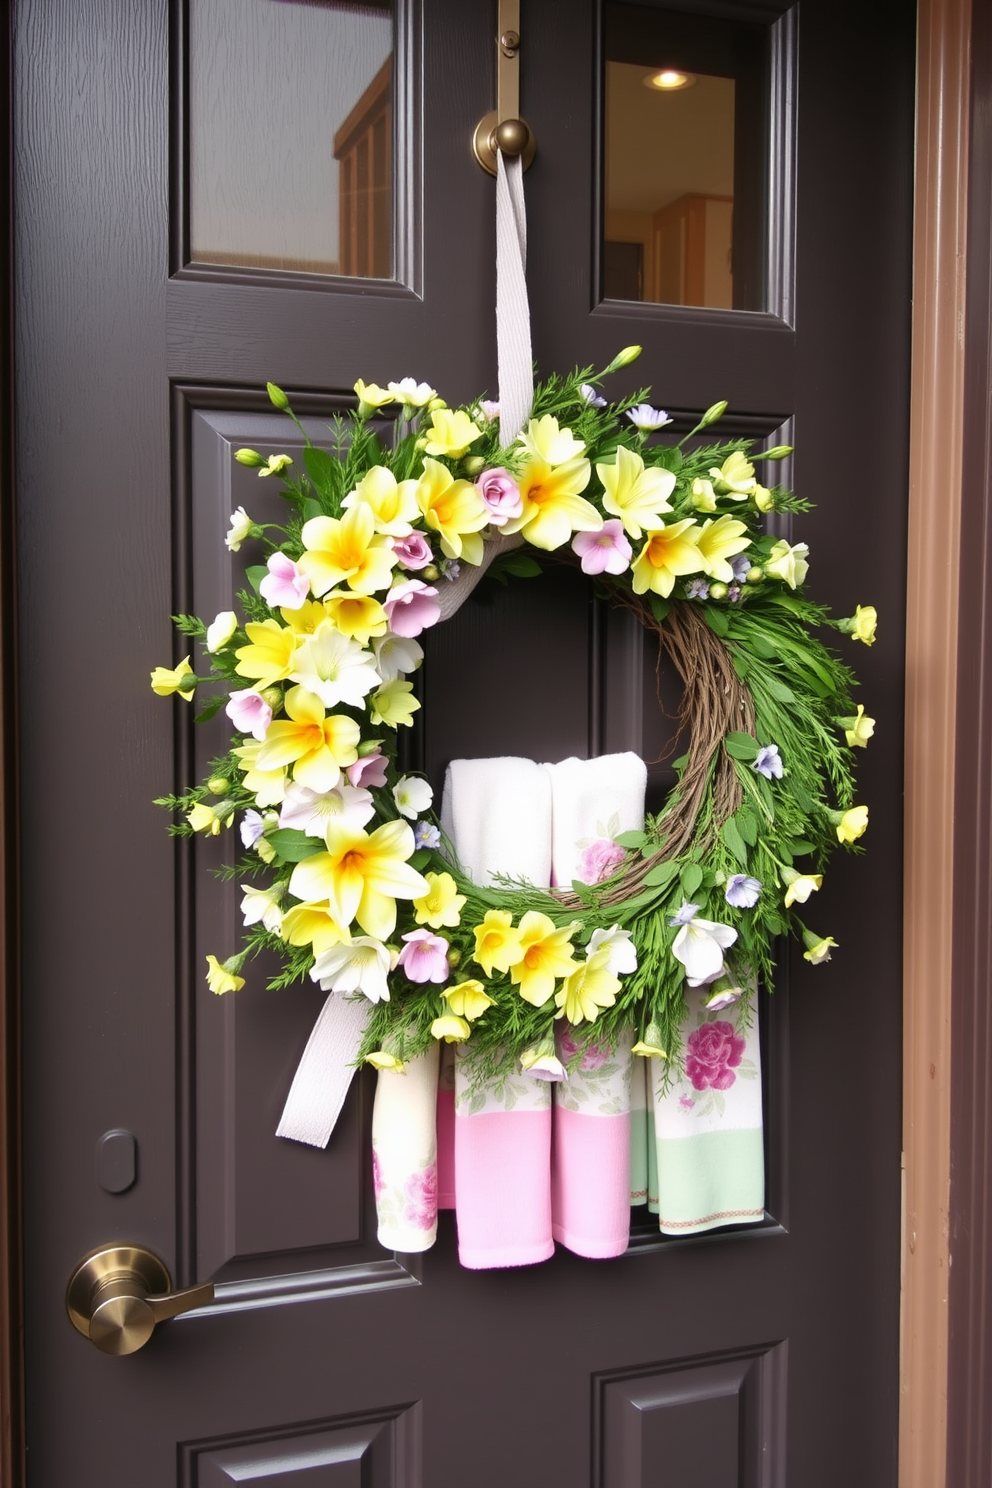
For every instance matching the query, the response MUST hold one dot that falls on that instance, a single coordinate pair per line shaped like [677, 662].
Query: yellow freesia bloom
[544, 440]
[468, 1000]
[169, 679]
[799, 886]
[356, 615]
[441, 905]
[453, 508]
[203, 818]
[648, 1050]
[552, 506]
[587, 990]
[788, 562]
[313, 925]
[220, 980]
[763, 498]
[370, 396]
[497, 944]
[362, 876]
[451, 433]
[394, 704]
[453, 1030]
[380, 1060]
[668, 553]
[735, 476]
[547, 955]
[819, 948]
[346, 550]
[269, 655]
[863, 624]
[859, 729]
[703, 496]
[317, 747]
[304, 621]
[719, 541]
[852, 824]
[634, 493]
[393, 503]
[267, 786]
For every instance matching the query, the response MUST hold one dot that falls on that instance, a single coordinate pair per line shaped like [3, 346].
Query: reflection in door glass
[291, 135]
[685, 129]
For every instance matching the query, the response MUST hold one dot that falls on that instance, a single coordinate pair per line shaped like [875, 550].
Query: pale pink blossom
[368, 771]
[249, 712]
[413, 552]
[605, 551]
[411, 607]
[599, 859]
[284, 587]
[424, 957]
[311, 812]
[501, 494]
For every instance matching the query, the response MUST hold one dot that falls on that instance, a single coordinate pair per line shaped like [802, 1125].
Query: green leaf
[584, 891]
[662, 875]
[779, 691]
[209, 709]
[325, 472]
[735, 842]
[681, 762]
[692, 877]
[747, 825]
[420, 858]
[800, 848]
[633, 841]
[741, 747]
[521, 565]
[762, 646]
[255, 575]
[668, 457]
[660, 607]
[716, 620]
[312, 509]
[293, 846]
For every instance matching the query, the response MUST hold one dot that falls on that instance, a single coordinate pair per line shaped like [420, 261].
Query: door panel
[748, 1358]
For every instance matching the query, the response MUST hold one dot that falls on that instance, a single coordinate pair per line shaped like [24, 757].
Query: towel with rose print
[404, 1154]
[708, 1128]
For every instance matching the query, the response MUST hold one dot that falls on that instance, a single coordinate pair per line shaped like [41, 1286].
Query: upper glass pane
[291, 135]
[686, 121]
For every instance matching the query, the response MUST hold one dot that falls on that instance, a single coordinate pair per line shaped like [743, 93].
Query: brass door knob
[513, 137]
[118, 1293]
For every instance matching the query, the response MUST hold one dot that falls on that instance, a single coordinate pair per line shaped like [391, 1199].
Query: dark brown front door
[760, 1357]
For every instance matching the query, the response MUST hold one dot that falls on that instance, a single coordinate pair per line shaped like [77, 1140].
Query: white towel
[404, 1154]
[497, 815]
[592, 802]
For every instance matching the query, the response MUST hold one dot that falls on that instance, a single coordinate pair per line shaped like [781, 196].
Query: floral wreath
[345, 874]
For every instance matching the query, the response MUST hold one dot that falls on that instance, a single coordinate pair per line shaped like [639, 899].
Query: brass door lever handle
[118, 1293]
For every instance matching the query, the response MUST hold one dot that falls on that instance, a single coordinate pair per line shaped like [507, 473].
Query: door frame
[946, 1349]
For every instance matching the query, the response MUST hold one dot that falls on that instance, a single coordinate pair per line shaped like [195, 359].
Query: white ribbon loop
[514, 358]
[325, 1072]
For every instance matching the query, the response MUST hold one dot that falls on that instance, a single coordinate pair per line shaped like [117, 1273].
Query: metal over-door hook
[503, 129]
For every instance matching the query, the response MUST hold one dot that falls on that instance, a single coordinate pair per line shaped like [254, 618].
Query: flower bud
[218, 786]
[718, 591]
[474, 465]
[248, 457]
[368, 746]
[623, 359]
[778, 453]
[436, 402]
[714, 412]
[454, 959]
[421, 443]
[754, 575]
[431, 572]
[273, 696]
[277, 397]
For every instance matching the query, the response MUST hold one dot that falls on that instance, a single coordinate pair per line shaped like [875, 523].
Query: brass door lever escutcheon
[118, 1293]
[504, 129]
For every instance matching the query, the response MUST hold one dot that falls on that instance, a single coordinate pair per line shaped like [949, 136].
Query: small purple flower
[252, 827]
[284, 587]
[646, 418]
[413, 552]
[741, 567]
[605, 551]
[726, 997]
[424, 957]
[501, 494]
[734, 593]
[769, 762]
[249, 712]
[686, 913]
[451, 570]
[742, 892]
[591, 396]
[368, 771]
[697, 589]
[488, 409]
[426, 835]
[411, 606]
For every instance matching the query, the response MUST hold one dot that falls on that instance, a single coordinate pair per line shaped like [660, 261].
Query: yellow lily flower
[862, 624]
[166, 680]
[587, 990]
[267, 786]
[703, 496]
[371, 396]
[799, 886]
[346, 550]
[634, 493]
[719, 541]
[203, 818]
[219, 979]
[453, 1030]
[304, 621]
[818, 947]
[497, 944]
[788, 562]
[468, 1000]
[269, 655]
[393, 503]
[735, 476]
[380, 1060]
[356, 615]
[393, 704]
[547, 955]
[544, 440]
[451, 433]
[668, 553]
[313, 925]
[362, 876]
[455, 509]
[859, 729]
[552, 506]
[850, 824]
[318, 747]
[442, 904]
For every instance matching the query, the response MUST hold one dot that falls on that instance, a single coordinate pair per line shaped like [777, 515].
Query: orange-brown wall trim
[931, 683]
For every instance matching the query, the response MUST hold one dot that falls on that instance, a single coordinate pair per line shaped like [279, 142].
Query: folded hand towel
[593, 801]
[446, 1129]
[497, 815]
[639, 1131]
[404, 1154]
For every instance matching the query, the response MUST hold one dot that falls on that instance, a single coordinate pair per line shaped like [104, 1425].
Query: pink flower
[598, 860]
[413, 551]
[424, 957]
[593, 1055]
[605, 551]
[249, 712]
[420, 1192]
[501, 494]
[411, 607]
[284, 587]
[713, 1052]
[377, 1179]
[368, 771]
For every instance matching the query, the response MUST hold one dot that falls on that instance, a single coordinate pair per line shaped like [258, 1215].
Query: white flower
[360, 965]
[700, 945]
[412, 796]
[395, 655]
[411, 393]
[221, 631]
[622, 953]
[334, 667]
[241, 525]
[788, 563]
[252, 827]
[263, 904]
[311, 811]
[646, 418]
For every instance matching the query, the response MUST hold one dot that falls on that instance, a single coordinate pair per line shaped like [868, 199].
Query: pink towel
[590, 1176]
[446, 1130]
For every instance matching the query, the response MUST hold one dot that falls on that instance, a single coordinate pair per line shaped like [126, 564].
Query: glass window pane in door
[291, 135]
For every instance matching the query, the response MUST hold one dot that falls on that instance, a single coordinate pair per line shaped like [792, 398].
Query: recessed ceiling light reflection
[669, 80]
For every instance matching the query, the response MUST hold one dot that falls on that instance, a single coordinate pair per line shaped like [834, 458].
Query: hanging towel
[708, 1126]
[592, 801]
[497, 815]
[446, 1129]
[404, 1154]
[639, 1130]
